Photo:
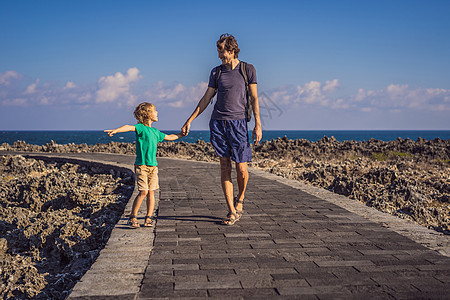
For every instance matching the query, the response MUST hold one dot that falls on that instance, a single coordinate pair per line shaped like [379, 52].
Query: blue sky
[83, 65]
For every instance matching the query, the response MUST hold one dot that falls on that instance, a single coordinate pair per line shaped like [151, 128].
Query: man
[228, 124]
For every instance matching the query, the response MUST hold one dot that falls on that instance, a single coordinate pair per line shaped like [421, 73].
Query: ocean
[94, 137]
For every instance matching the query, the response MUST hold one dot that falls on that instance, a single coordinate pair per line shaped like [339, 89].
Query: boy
[145, 165]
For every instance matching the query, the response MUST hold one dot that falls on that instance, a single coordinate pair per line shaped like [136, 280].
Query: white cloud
[285, 95]
[85, 97]
[436, 92]
[340, 104]
[45, 101]
[397, 90]
[168, 93]
[331, 85]
[8, 76]
[178, 104]
[22, 92]
[31, 89]
[15, 102]
[311, 93]
[395, 97]
[117, 85]
[176, 95]
[70, 85]
[119, 88]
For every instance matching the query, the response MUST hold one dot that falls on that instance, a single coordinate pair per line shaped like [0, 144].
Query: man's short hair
[230, 43]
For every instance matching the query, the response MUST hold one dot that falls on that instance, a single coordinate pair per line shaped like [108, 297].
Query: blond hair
[142, 112]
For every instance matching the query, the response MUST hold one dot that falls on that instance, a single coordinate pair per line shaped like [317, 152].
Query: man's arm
[124, 128]
[173, 137]
[201, 106]
[257, 131]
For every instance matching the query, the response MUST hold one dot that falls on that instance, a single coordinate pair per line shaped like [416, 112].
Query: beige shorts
[146, 177]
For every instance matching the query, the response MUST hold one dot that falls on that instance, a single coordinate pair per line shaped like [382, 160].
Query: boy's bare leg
[227, 184]
[137, 202]
[150, 203]
[242, 179]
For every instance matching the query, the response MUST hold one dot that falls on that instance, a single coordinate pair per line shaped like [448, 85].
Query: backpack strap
[248, 106]
[218, 71]
[243, 70]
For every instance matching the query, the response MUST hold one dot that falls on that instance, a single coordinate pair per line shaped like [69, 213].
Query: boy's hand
[109, 131]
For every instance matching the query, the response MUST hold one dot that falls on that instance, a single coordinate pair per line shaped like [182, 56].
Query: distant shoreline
[92, 137]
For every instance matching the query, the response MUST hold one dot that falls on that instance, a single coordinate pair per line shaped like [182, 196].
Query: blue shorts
[230, 139]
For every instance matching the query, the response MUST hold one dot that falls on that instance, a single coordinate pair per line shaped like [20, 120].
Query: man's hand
[257, 134]
[185, 128]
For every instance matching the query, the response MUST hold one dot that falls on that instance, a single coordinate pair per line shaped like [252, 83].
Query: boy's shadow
[192, 218]
[195, 218]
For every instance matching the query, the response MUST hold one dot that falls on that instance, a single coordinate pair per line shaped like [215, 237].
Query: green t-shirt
[147, 139]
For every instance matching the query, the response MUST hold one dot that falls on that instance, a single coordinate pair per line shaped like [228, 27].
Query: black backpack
[243, 70]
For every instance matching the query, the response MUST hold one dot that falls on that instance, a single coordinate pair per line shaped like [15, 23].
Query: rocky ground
[55, 217]
[409, 179]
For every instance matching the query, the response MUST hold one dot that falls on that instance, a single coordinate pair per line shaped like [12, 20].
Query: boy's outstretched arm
[173, 137]
[124, 128]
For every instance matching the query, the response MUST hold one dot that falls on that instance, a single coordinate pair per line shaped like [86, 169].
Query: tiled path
[289, 244]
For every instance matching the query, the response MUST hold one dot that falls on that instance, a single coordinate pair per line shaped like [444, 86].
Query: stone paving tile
[289, 244]
[336, 290]
[99, 297]
[251, 293]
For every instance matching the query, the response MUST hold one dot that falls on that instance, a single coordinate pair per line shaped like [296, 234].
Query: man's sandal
[149, 222]
[230, 219]
[133, 222]
[236, 202]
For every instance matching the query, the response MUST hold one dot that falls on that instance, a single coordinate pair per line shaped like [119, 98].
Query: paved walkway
[289, 244]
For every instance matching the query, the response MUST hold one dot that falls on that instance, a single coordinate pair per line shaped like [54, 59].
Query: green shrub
[400, 154]
[443, 161]
[379, 156]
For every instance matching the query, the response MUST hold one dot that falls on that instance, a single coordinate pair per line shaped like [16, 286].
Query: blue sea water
[94, 137]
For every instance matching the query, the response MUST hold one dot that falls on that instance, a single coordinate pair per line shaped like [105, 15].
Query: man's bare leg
[242, 179]
[227, 184]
